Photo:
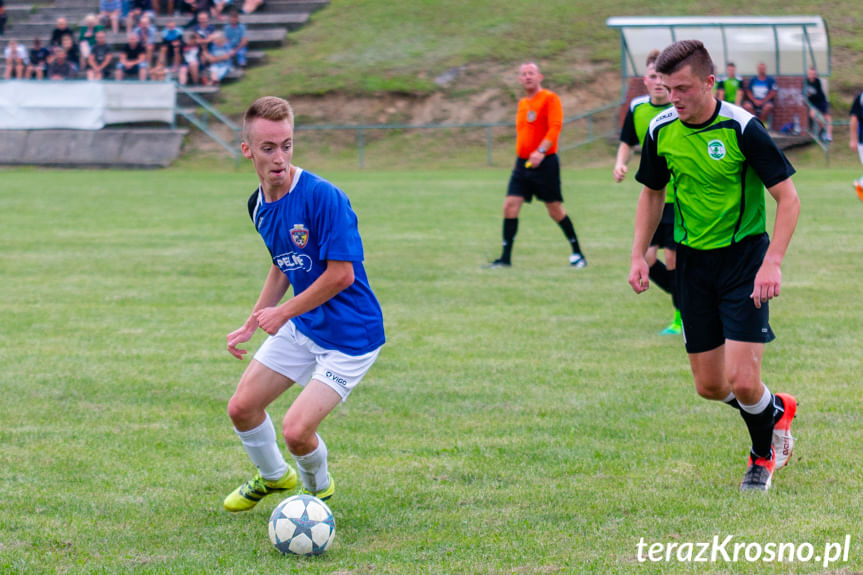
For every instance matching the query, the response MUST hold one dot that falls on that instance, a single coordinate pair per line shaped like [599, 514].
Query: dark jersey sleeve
[627, 133]
[253, 203]
[855, 107]
[764, 155]
[653, 169]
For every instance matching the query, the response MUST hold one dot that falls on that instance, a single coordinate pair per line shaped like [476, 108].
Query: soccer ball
[302, 525]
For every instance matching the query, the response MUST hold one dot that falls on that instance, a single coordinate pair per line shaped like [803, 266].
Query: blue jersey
[311, 224]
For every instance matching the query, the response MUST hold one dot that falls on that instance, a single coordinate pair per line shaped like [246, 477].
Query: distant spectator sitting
[218, 57]
[235, 32]
[192, 59]
[73, 53]
[138, 8]
[60, 67]
[2, 18]
[148, 36]
[38, 60]
[87, 35]
[100, 58]
[816, 96]
[193, 7]
[761, 95]
[110, 11]
[171, 49]
[133, 60]
[61, 30]
[203, 28]
[17, 60]
[168, 5]
[220, 8]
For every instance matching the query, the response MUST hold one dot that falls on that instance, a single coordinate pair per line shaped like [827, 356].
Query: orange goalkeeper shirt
[539, 118]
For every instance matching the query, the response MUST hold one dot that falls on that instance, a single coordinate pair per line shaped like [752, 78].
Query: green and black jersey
[641, 112]
[719, 171]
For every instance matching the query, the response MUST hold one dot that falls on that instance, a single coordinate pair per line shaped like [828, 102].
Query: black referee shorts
[713, 290]
[542, 181]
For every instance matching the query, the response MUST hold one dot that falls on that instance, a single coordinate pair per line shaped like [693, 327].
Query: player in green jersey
[727, 268]
[641, 111]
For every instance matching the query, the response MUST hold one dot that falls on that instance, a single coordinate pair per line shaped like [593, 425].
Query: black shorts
[713, 293]
[664, 234]
[542, 181]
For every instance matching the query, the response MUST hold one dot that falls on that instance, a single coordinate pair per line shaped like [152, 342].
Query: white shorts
[292, 354]
[860, 152]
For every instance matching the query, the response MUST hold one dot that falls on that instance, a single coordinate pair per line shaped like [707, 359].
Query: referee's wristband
[541, 150]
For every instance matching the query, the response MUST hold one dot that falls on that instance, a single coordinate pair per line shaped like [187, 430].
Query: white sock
[313, 467]
[760, 406]
[731, 397]
[260, 444]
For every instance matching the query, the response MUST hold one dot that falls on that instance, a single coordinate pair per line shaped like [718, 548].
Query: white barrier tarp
[41, 105]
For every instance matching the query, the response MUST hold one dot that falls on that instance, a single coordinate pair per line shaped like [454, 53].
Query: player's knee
[711, 388]
[241, 412]
[298, 437]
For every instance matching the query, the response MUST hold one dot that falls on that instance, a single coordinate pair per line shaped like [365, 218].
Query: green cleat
[326, 493]
[249, 493]
[675, 327]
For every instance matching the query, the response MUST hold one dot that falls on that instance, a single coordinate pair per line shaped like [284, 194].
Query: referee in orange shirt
[537, 168]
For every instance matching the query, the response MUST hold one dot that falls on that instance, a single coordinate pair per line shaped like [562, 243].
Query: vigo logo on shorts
[333, 377]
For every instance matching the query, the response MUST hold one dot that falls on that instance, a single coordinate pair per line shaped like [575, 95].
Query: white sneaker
[577, 261]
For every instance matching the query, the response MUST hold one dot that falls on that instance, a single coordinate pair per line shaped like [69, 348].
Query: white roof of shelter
[787, 44]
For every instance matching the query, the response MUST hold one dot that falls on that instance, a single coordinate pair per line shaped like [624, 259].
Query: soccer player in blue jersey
[727, 268]
[641, 111]
[325, 337]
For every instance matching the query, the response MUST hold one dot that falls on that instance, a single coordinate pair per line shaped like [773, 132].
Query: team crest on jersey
[531, 116]
[299, 235]
[716, 149]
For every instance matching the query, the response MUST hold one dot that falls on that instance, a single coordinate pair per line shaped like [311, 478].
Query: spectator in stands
[170, 33]
[17, 60]
[196, 6]
[761, 95]
[110, 11]
[192, 58]
[138, 8]
[171, 57]
[61, 30]
[235, 32]
[220, 8]
[60, 67]
[169, 7]
[148, 36]
[38, 60]
[73, 53]
[730, 88]
[133, 60]
[2, 17]
[818, 99]
[203, 28]
[87, 35]
[218, 57]
[100, 58]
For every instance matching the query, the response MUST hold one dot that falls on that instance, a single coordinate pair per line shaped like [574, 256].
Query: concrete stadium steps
[109, 147]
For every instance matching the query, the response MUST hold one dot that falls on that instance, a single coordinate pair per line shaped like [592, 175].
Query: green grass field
[527, 420]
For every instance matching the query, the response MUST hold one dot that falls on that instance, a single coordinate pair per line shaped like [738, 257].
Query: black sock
[510, 228]
[661, 276]
[760, 426]
[733, 403]
[569, 231]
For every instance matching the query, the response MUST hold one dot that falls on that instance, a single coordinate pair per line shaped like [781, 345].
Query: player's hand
[239, 336]
[639, 275]
[619, 172]
[535, 159]
[767, 283]
[270, 319]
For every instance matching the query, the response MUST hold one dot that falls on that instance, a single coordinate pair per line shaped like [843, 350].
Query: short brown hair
[683, 53]
[651, 58]
[268, 108]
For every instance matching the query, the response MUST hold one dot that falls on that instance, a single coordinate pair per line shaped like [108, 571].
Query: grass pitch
[527, 420]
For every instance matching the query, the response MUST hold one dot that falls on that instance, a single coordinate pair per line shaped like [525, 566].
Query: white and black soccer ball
[302, 525]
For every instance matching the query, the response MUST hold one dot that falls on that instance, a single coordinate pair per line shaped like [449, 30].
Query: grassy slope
[373, 46]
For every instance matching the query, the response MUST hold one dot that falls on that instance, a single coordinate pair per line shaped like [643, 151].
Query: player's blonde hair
[268, 108]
